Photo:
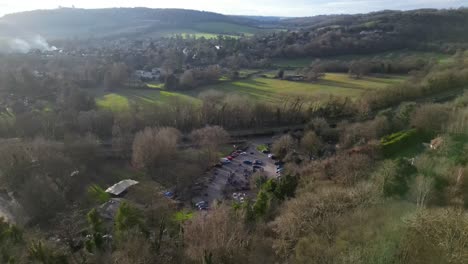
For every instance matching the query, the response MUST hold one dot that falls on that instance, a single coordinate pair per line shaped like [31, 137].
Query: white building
[154, 74]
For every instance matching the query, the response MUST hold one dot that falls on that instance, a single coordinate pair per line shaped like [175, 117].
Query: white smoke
[24, 44]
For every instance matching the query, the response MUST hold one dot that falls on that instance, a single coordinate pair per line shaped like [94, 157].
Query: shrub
[98, 194]
[128, 218]
[394, 143]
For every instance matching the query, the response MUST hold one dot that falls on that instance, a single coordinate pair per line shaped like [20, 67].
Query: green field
[265, 89]
[225, 28]
[122, 99]
[195, 34]
[274, 90]
[209, 30]
[304, 62]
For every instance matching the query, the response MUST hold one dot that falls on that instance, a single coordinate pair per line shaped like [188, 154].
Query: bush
[394, 143]
[98, 194]
[395, 176]
[128, 218]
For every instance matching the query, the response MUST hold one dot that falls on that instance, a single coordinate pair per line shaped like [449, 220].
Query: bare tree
[283, 146]
[311, 144]
[154, 146]
[187, 79]
[210, 138]
[423, 188]
[430, 117]
[219, 233]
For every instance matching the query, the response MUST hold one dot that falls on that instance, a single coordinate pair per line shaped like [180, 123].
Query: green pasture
[225, 28]
[275, 90]
[265, 89]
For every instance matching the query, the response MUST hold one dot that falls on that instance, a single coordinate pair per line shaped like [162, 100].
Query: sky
[283, 8]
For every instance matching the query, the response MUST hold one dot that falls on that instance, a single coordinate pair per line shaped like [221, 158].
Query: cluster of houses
[152, 75]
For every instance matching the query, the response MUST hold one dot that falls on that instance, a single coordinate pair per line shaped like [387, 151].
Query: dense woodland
[381, 178]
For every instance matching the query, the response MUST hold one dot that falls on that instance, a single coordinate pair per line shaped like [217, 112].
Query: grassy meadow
[210, 30]
[225, 28]
[265, 89]
[275, 90]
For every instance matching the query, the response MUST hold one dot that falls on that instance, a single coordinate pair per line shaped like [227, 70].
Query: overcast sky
[242, 7]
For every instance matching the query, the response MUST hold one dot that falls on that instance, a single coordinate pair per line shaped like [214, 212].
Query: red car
[229, 158]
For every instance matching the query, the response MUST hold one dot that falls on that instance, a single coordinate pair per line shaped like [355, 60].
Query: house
[38, 74]
[141, 74]
[294, 78]
[370, 32]
[152, 75]
[436, 143]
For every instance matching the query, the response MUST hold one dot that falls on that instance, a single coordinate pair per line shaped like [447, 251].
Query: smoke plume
[10, 44]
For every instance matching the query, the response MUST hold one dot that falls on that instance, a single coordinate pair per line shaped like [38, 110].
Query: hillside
[427, 24]
[135, 22]
[384, 29]
[324, 36]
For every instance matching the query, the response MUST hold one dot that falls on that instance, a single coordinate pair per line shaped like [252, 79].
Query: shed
[121, 187]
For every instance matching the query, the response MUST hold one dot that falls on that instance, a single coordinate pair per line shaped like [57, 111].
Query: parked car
[258, 162]
[266, 151]
[203, 205]
[234, 154]
[279, 163]
[244, 153]
[238, 196]
[169, 194]
[229, 158]
[247, 162]
[256, 167]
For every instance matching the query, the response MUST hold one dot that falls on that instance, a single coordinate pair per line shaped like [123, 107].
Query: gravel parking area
[231, 179]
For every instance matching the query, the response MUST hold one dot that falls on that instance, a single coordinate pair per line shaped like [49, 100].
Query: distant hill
[416, 25]
[136, 22]
[422, 24]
